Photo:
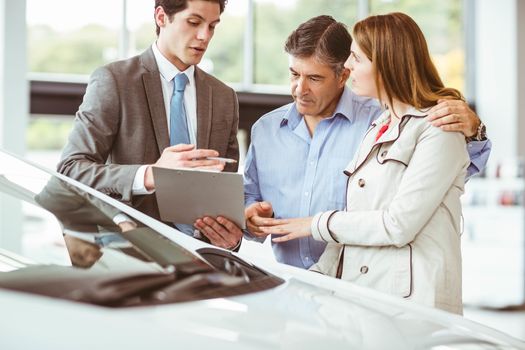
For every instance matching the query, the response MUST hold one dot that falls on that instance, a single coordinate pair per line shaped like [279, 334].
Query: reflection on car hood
[294, 316]
[300, 316]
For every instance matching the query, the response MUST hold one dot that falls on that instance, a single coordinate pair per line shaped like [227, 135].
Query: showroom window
[442, 24]
[76, 43]
[224, 57]
[274, 20]
[246, 52]
[248, 44]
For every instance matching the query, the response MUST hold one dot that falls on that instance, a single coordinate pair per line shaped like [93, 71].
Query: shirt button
[312, 163]
[306, 193]
[364, 269]
[361, 183]
[307, 258]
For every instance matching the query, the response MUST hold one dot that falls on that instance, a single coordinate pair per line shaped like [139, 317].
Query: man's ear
[161, 18]
[343, 77]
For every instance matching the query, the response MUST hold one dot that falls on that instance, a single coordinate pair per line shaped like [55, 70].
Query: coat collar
[391, 135]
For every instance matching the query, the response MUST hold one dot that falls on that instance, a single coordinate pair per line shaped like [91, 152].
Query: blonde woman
[400, 231]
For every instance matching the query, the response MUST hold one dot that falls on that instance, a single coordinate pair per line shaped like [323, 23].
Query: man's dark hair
[321, 37]
[171, 7]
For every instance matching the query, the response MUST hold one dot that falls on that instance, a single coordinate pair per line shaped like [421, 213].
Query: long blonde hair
[401, 60]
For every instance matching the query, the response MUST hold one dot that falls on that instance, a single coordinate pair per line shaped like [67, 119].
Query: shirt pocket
[332, 178]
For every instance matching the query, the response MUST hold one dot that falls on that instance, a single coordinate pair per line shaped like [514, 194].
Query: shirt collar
[168, 70]
[343, 108]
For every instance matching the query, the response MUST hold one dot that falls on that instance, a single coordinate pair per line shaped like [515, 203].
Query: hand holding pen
[223, 160]
[185, 156]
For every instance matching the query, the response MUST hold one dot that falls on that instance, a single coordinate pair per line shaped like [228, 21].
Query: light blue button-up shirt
[302, 175]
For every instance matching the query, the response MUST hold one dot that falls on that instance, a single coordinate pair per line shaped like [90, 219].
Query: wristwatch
[480, 135]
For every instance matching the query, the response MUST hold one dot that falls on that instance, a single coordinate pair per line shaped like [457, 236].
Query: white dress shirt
[168, 71]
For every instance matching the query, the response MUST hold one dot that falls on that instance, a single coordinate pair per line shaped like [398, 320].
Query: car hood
[296, 315]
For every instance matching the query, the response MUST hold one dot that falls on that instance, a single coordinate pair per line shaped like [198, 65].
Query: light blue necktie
[178, 123]
[179, 126]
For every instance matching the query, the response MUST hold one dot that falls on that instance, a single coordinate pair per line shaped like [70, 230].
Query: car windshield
[55, 233]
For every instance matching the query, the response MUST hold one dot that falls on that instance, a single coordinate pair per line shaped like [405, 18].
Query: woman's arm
[438, 160]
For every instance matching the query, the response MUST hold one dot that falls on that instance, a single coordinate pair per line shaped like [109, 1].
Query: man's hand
[454, 115]
[255, 215]
[220, 231]
[183, 156]
[82, 253]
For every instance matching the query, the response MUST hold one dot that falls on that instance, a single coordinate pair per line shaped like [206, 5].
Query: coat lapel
[391, 135]
[367, 144]
[154, 96]
[204, 109]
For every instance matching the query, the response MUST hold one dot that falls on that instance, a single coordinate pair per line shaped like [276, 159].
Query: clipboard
[184, 195]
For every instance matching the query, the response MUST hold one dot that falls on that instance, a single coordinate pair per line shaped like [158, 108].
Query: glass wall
[247, 50]
[275, 20]
[76, 43]
[225, 54]
[105, 30]
[442, 24]
[224, 57]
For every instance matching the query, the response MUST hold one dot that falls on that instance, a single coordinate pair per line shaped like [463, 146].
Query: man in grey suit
[155, 109]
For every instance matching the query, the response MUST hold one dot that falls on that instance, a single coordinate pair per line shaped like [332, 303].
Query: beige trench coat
[400, 233]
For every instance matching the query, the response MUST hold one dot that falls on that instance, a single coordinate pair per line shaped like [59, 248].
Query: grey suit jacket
[122, 124]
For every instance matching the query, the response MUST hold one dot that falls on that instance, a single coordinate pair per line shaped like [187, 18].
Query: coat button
[363, 269]
[361, 183]
[383, 154]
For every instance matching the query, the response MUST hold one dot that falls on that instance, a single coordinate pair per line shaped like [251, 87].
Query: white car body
[307, 311]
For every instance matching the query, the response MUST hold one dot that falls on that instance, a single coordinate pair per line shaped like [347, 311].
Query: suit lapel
[154, 96]
[204, 109]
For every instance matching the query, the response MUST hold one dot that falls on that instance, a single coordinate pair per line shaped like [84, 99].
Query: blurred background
[49, 48]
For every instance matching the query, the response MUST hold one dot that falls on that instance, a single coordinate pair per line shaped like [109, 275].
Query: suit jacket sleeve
[233, 145]
[88, 149]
